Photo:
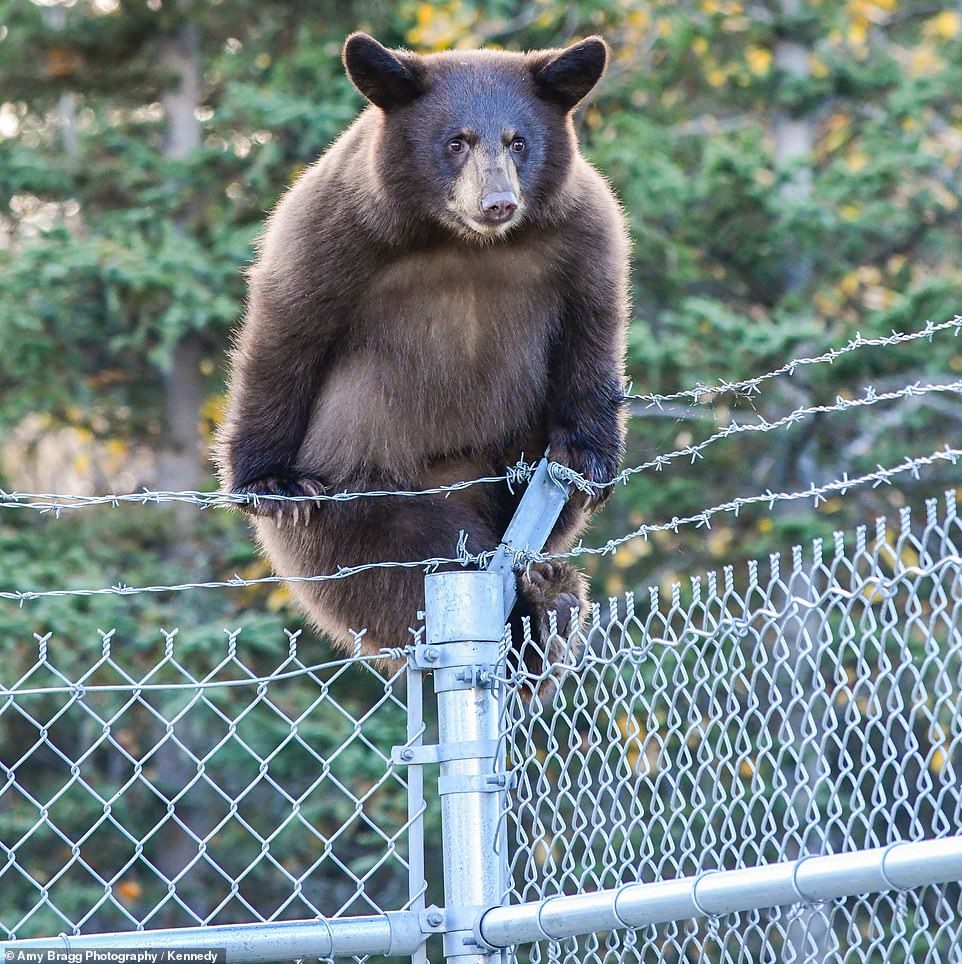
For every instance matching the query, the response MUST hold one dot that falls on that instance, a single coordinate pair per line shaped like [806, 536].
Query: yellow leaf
[759, 59]
[614, 584]
[871, 592]
[746, 769]
[849, 283]
[924, 61]
[818, 66]
[877, 297]
[857, 160]
[128, 890]
[719, 542]
[939, 759]
[716, 77]
[699, 45]
[857, 33]
[945, 25]
[278, 598]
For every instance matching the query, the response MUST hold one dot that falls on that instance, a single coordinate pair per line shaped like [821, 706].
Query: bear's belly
[440, 361]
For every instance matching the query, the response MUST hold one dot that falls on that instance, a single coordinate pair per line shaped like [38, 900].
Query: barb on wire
[818, 493]
[751, 386]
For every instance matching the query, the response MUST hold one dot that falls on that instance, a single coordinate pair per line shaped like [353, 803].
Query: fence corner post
[464, 623]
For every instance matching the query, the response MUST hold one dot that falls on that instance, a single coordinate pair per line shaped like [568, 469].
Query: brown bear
[443, 292]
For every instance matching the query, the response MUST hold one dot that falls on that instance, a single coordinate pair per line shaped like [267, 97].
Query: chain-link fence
[811, 705]
[197, 789]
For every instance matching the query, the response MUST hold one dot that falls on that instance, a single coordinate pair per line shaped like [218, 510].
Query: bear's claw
[281, 485]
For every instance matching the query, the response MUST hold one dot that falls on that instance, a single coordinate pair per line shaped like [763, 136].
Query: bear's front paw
[597, 464]
[287, 485]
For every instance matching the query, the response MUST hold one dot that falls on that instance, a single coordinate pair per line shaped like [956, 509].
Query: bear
[442, 293]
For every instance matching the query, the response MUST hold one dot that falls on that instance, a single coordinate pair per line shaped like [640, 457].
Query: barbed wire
[48, 502]
[881, 586]
[522, 557]
[518, 473]
[871, 397]
[235, 582]
[750, 386]
[818, 493]
[523, 470]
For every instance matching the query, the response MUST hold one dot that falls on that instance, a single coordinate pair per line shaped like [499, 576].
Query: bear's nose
[499, 206]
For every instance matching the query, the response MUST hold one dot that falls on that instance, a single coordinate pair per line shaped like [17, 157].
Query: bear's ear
[565, 77]
[382, 76]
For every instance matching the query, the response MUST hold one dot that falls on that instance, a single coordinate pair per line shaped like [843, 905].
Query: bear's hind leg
[551, 590]
[383, 602]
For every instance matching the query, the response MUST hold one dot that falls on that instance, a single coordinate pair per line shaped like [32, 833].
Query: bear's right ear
[382, 76]
[565, 76]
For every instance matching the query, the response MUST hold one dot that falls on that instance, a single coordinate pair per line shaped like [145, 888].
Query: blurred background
[791, 175]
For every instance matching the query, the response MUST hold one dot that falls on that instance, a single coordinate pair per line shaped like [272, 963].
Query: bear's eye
[518, 145]
[457, 144]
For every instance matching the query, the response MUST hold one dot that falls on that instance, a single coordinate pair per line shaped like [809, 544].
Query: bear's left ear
[565, 77]
[384, 77]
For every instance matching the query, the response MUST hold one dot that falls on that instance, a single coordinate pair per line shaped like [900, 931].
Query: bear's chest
[463, 313]
[446, 353]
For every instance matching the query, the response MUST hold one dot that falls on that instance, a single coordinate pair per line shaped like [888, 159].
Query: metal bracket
[459, 927]
[428, 658]
[433, 753]
[469, 677]
[477, 782]
[530, 526]
[433, 920]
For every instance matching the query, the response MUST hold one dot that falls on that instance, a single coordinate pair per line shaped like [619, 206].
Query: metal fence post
[464, 620]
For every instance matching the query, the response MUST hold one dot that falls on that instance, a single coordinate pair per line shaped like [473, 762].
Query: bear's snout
[499, 206]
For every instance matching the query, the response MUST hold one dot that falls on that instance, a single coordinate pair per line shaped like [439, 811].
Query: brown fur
[388, 344]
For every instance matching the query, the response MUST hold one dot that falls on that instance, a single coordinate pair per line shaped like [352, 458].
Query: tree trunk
[181, 465]
[181, 462]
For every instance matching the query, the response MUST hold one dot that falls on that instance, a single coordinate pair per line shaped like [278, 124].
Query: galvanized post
[464, 621]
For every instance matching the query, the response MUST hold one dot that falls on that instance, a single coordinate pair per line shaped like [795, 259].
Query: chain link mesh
[812, 706]
[197, 791]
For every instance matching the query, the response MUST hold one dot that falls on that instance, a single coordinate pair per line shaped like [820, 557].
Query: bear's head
[480, 141]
